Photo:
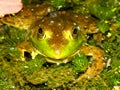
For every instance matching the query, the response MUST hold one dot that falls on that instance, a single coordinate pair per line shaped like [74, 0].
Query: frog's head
[56, 37]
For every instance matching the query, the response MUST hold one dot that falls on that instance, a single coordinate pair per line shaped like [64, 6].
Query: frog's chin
[61, 60]
[58, 61]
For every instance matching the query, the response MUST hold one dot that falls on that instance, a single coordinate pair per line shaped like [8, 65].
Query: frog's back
[86, 23]
[28, 15]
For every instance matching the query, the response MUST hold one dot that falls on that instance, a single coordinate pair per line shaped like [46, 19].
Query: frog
[58, 36]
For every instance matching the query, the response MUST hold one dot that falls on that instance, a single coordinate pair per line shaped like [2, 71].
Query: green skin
[44, 47]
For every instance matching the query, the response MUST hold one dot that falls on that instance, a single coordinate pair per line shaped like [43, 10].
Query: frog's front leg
[96, 65]
[26, 47]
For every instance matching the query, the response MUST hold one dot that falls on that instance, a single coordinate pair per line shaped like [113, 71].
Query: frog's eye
[75, 32]
[40, 33]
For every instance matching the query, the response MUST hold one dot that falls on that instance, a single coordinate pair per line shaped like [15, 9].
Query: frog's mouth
[61, 60]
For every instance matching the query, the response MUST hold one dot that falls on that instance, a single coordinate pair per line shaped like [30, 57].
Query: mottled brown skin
[28, 15]
[58, 29]
[59, 22]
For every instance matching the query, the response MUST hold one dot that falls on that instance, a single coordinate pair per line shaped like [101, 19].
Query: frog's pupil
[75, 31]
[40, 30]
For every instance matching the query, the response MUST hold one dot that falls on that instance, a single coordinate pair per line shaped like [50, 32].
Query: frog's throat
[58, 61]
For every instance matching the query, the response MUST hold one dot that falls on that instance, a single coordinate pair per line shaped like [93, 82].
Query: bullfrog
[58, 36]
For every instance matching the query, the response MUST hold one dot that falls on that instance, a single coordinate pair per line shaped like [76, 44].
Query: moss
[58, 3]
[112, 44]
[5, 82]
[103, 26]
[32, 65]
[52, 77]
[79, 62]
[102, 12]
[111, 76]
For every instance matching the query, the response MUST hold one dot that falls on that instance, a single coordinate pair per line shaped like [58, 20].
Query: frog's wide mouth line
[62, 60]
[51, 60]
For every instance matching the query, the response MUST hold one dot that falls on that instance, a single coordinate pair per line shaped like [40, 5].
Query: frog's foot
[97, 64]
[26, 47]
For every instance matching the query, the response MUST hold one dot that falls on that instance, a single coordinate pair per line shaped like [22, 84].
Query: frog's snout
[57, 42]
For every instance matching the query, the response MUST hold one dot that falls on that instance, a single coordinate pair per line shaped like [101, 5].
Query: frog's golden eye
[40, 30]
[75, 32]
[40, 33]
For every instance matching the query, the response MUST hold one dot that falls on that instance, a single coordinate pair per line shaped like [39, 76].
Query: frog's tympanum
[59, 36]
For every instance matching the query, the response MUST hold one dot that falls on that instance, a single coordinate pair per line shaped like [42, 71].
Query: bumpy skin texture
[58, 36]
[28, 15]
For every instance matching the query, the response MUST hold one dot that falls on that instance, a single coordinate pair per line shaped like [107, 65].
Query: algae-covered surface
[37, 74]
